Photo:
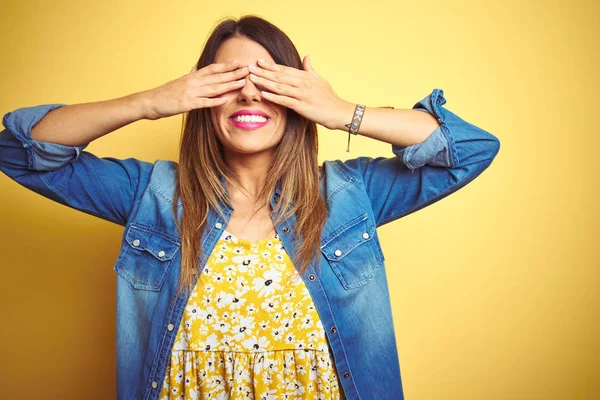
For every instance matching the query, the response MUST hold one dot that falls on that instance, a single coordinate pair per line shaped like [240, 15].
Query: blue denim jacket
[350, 291]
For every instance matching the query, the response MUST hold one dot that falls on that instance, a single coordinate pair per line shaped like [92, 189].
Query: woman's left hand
[304, 91]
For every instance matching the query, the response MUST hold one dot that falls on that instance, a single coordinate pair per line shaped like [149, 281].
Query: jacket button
[218, 225]
[346, 374]
[365, 235]
[311, 277]
[285, 229]
[136, 242]
[337, 253]
[170, 327]
[161, 253]
[334, 329]
[154, 384]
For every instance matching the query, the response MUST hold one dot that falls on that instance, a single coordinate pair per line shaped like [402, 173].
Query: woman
[247, 270]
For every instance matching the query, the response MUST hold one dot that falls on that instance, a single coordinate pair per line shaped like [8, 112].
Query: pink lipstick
[245, 123]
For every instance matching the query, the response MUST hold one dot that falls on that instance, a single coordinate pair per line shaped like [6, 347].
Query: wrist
[345, 114]
[141, 105]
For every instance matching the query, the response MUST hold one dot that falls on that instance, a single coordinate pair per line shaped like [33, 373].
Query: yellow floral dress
[250, 331]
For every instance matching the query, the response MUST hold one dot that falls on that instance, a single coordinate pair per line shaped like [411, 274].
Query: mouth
[249, 122]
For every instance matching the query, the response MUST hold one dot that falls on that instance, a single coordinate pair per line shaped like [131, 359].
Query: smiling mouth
[248, 125]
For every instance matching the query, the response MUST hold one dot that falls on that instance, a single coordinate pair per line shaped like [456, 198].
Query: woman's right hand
[198, 89]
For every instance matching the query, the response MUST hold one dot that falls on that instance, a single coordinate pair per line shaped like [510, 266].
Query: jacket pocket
[353, 252]
[145, 257]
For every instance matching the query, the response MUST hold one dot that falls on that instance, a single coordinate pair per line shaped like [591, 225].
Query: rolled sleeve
[453, 155]
[439, 149]
[41, 156]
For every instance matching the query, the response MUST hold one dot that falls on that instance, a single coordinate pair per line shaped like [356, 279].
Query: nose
[249, 92]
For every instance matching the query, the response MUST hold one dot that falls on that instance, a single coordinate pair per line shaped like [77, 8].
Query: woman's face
[241, 136]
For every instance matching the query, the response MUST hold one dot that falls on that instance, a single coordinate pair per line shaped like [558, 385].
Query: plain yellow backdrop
[495, 289]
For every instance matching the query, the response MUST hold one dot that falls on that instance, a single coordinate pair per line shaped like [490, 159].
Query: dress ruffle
[279, 374]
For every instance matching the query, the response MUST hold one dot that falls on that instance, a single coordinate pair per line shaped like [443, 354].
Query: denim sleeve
[104, 187]
[417, 176]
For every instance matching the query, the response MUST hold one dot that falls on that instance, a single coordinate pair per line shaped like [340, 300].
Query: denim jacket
[350, 290]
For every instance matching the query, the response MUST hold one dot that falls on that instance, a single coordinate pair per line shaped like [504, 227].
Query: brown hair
[201, 161]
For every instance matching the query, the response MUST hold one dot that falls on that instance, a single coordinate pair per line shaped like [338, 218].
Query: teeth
[250, 118]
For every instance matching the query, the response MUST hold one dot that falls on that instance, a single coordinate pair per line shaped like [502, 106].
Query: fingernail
[261, 60]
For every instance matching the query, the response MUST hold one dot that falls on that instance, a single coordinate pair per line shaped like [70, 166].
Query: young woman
[247, 270]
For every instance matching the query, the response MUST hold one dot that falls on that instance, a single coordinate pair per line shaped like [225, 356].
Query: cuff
[439, 149]
[41, 156]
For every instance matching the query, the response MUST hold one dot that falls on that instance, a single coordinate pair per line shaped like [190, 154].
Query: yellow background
[494, 289]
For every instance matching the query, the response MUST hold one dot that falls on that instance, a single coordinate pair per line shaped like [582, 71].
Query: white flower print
[279, 247]
[211, 343]
[268, 283]
[181, 342]
[278, 334]
[238, 332]
[192, 311]
[251, 309]
[227, 340]
[269, 394]
[238, 250]
[230, 271]
[194, 394]
[222, 325]
[307, 323]
[245, 262]
[277, 316]
[270, 304]
[203, 329]
[290, 337]
[256, 343]
[179, 377]
[207, 313]
[243, 327]
[219, 257]
[217, 277]
[208, 288]
[222, 396]
[224, 299]
[241, 284]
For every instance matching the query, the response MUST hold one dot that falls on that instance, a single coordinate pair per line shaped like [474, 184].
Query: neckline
[240, 240]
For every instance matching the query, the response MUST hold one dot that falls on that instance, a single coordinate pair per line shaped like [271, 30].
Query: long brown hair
[201, 162]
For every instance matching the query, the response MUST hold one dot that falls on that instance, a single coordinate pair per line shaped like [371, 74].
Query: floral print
[250, 331]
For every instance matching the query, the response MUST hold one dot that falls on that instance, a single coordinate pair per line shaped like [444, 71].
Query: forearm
[401, 127]
[79, 124]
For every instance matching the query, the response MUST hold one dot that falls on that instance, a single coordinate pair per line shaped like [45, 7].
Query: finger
[205, 103]
[282, 100]
[278, 67]
[216, 68]
[307, 64]
[275, 87]
[217, 89]
[225, 76]
[278, 76]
